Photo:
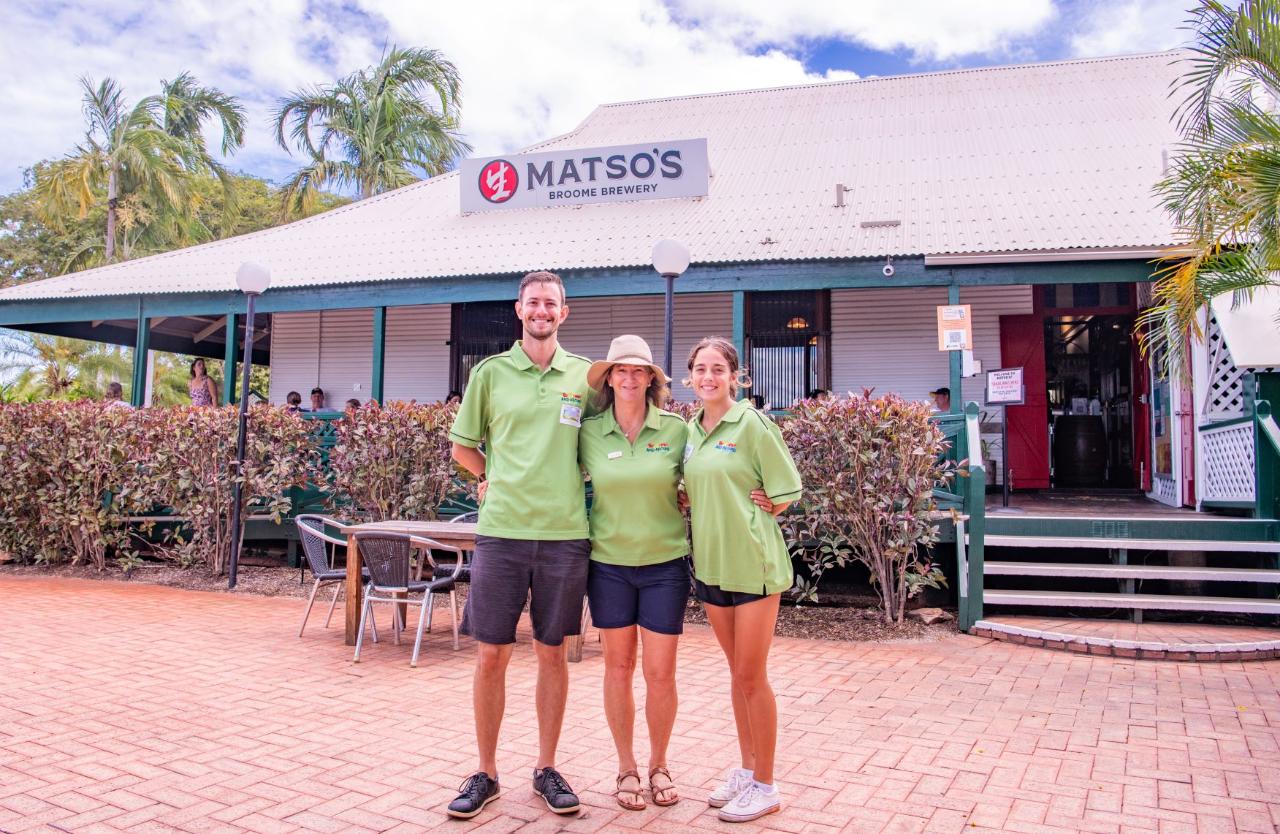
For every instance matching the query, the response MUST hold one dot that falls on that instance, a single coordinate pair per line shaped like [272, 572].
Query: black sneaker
[555, 791]
[478, 791]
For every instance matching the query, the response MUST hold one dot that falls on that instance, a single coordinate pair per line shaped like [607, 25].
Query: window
[479, 329]
[788, 345]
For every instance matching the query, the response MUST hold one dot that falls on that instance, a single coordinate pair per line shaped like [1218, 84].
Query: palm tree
[57, 367]
[375, 129]
[1223, 187]
[140, 159]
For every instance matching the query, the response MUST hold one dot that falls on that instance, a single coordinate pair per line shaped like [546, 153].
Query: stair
[1235, 544]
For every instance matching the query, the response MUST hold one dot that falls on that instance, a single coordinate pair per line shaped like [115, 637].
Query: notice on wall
[955, 327]
[1004, 387]
[651, 171]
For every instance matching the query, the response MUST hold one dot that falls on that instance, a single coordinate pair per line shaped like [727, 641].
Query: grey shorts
[505, 572]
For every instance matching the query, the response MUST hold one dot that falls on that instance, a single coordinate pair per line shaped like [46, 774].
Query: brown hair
[658, 393]
[730, 353]
[540, 277]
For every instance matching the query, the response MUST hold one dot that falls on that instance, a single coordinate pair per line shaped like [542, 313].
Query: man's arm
[470, 459]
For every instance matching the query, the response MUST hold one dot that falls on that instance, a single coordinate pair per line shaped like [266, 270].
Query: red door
[1186, 424]
[1022, 344]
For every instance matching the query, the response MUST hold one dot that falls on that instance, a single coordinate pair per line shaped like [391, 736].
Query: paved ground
[140, 708]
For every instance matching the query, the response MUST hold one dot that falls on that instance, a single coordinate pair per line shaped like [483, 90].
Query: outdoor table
[462, 536]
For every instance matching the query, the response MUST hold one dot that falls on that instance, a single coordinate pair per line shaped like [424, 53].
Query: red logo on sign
[498, 181]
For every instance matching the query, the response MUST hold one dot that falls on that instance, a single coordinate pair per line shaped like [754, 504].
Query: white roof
[1251, 328]
[1054, 156]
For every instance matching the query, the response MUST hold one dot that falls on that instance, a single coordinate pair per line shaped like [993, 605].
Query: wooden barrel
[1079, 451]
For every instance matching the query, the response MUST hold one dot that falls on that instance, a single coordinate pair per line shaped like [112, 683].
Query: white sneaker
[734, 785]
[753, 803]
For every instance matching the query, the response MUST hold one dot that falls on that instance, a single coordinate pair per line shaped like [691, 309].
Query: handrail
[974, 527]
[1266, 464]
[1224, 424]
[1267, 426]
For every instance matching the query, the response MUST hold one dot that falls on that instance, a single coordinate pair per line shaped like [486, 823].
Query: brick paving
[1148, 641]
[141, 708]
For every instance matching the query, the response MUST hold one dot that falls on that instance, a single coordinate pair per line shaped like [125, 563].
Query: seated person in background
[818, 394]
[115, 396]
[352, 405]
[941, 399]
[454, 398]
[292, 402]
[317, 399]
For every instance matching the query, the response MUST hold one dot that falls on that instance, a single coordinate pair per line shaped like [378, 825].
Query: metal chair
[388, 557]
[313, 538]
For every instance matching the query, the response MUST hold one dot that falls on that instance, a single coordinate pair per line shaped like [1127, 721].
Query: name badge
[615, 455]
[688, 452]
[571, 415]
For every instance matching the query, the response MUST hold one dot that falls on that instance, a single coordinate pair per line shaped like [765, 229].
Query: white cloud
[1113, 27]
[530, 70]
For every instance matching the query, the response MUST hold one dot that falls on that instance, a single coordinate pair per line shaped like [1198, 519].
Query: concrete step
[1110, 543]
[1151, 602]
[1092, 571]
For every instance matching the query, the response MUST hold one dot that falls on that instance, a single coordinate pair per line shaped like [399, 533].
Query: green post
[1267, 460]
[957, 360]
[977, 528]
[138, 394]
[379, 352]
[740, 328]
[229, 362]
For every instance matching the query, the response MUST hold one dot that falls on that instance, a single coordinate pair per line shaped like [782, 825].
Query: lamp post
[252, 279]
[670, 259]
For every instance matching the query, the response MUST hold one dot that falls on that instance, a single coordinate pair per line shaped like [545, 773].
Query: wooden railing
[966, 497]
[1267, 462]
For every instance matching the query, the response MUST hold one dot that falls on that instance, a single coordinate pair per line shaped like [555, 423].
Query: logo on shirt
[570, 398]
[727, 447]
[658, 447]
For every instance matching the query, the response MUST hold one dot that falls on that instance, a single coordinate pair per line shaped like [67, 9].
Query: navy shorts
[552, 576]
[719, 597]
[651, 596]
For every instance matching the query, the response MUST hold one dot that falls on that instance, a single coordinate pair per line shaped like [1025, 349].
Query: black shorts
[717, 596]
[650, 596]
[505, 572]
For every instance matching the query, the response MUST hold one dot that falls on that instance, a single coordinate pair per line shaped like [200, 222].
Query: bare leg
[722, 623]
[619, 700]
[489, 700]
[753, 635]
[552, 694]
[660, 699]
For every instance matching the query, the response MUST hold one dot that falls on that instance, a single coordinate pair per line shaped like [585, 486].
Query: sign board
[955, 327]
[651, 171]
[1004, 387]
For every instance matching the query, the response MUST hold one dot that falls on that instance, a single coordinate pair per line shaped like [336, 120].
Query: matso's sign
[652, 171]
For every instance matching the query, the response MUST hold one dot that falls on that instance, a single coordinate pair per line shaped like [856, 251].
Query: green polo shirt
[635, 520]
[737, 545]
[528, 420]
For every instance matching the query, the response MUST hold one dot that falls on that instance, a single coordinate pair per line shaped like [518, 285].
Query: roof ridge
[883, 78]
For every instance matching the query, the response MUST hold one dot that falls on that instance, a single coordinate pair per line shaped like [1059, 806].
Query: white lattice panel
[1228, 463]
[1224, 397]
[1164, 490]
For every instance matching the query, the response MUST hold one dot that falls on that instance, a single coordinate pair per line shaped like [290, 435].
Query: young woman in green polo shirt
[638, 580]
[740, 560]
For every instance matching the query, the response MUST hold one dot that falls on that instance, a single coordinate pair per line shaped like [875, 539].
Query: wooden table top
[458, 534]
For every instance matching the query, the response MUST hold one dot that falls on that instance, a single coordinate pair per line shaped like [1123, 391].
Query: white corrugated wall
[295, 354]
[330, 348]
[417, 353]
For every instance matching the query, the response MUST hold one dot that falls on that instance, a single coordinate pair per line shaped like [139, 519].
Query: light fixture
[253, 278]
[670, 259]
[797, 323]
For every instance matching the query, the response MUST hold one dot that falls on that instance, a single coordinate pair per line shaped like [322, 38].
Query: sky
[530, 71]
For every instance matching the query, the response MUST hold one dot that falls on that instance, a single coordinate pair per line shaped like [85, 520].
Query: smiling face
[541, 309]
[630, 383]
[712, 376]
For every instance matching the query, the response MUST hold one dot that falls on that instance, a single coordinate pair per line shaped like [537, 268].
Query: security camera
[887, 269]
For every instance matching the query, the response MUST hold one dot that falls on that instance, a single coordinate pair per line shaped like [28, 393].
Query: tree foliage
[1223, 186]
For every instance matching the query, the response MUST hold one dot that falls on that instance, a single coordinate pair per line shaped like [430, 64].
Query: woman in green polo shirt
[638, 581]
[740, 560]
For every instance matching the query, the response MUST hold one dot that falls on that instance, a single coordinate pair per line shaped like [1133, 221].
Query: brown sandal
[636, 804]
[663, 795]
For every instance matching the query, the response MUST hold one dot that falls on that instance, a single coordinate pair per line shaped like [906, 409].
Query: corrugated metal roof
[1036, 157]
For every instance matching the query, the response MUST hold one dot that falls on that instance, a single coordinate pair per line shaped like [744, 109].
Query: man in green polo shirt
[525, 406]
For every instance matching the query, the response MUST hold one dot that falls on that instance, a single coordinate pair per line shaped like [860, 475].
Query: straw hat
[624, 350]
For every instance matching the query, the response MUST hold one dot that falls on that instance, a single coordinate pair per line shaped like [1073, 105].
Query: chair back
[466, 518]
[312, 537]
[386, 555]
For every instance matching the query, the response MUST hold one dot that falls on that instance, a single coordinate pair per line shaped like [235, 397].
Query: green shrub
[869, 467]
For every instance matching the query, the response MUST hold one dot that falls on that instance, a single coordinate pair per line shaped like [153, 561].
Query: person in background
[818, 394]
[115, 396]
[293, 402]
[454, 398]
[741, 564]
[317, 399]
[201, 388]
[941, 399]
[352, 405]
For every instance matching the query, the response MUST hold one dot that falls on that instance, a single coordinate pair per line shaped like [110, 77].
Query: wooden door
[1140, 399]
[1022, 345]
